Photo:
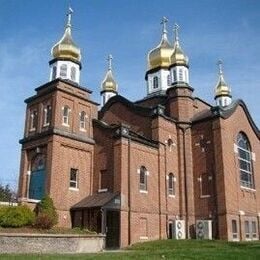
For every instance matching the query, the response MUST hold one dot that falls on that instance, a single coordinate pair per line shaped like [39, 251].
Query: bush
[46, 214]
[16, 216]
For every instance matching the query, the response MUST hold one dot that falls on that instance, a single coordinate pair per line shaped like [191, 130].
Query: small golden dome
[109, 83]
[222, 88]
[178, 57]
[161, 55]
[66, 48]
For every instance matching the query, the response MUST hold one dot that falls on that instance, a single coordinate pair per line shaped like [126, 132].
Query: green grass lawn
[168, 249]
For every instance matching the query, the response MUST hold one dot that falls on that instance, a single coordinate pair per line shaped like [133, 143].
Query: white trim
[235, 148]
[29, 200]
[143, 237]
[171, 196]
[253, 156]
[246, 188]
[147, 173]
[67, 125]
[73, 189]
[143, 191]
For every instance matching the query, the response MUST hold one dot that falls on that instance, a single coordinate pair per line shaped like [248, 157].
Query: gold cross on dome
[203, 143]
[176, 31]
[220, 66]
[70, 12]
[164, 22]
[109, 59]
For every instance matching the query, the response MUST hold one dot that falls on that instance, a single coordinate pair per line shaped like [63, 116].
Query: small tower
[158, 75]
[66, 56]
[222, 90]
[109, 85]
[179, 67]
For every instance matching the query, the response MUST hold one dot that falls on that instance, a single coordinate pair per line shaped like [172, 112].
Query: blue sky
[128, 29]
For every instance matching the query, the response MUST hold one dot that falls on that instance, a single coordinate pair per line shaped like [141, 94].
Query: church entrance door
[112, 228]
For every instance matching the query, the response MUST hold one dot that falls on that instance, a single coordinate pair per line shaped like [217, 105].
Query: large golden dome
[66, 48]
[109, 84]
[161, 55]
[178, 57]
[222, 88]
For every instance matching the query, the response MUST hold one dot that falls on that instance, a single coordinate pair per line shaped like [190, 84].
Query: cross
[220, 66]
[202, 143]
[176, 31]
[109, 59]
[70, 12]
[164, 22]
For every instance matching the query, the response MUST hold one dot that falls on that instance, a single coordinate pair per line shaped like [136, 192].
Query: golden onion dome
[109, 83]
[178, 57]
[66, 48]
[161, 55]
[222, 88]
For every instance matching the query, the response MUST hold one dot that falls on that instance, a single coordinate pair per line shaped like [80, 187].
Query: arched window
[169, 80]
[73, 73]
[143, 179]
[65, 117]
[180, 75]
[47, 115]
[33, 120]
[171, 184]
[63, 70]
[54, 72]
[174, 76]
[82, 120]
[245, 161]
[155, 82]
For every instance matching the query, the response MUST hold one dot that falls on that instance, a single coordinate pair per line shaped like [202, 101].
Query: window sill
[247, 189]
[32, 129]
[45, 125]
[144, 238]
[73, 189]
[28, 200]
[204, 196]
[143, 191]
[82, 130]
[67, 125]
[171, 196]
[102, 190]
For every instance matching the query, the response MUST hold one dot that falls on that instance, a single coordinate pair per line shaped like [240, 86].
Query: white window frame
[234, 234]
[33, 114]
[83, 123]
[74, 184]
[143, 187]
[65, 118]
[45, 115]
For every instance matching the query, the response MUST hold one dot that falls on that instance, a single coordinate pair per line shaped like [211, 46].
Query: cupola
[108, 85]
[66, 56]
[179, 61]
[223, 95]
[160, 56]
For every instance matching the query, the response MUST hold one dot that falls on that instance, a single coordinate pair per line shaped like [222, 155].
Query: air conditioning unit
[204, 229]
[178, 229]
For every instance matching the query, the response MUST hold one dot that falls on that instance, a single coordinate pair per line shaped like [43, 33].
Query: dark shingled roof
[95, 200]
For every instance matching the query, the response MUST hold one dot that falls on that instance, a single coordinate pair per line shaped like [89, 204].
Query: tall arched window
[143, 179]
[65, 117]
[82, 120]
[54, 72]
[73, 73]
[171, 184]
[180, 75]
[245, 161]
[47, 115]
[169, 80]
[63, 70]
[155, 82]
[174, 76]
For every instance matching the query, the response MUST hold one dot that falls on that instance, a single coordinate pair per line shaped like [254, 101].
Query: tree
[6, 194]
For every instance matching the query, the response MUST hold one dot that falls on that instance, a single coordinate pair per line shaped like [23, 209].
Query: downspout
[129, 192]
[185, 179]
[166, 191]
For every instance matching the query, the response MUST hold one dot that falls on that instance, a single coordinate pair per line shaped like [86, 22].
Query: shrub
[16, 216]
[46, 214]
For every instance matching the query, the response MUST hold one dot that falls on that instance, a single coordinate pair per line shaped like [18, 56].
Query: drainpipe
[129, 192]
[185, 179]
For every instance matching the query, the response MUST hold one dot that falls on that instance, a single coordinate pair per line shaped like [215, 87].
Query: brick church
[167, 166]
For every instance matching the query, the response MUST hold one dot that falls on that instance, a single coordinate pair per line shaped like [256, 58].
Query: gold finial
[109, 59]
[164, 24]
[176, 32]
[69, 14]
